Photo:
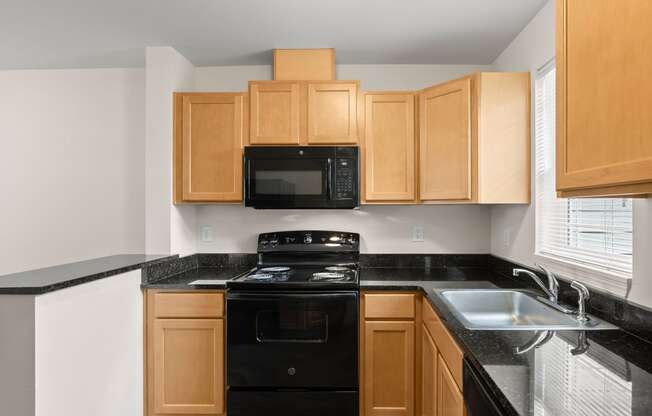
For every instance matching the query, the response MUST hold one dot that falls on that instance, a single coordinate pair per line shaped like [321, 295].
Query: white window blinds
[595, 233]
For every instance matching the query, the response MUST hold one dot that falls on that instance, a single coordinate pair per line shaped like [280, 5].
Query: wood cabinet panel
[188, 367]
[446, 345]
[389, 147]
[304, 64]
[209, 135]
[332, 113]
[275, 112]
[389, 368]
[450, 401]
[429, 375]
[446, 141]
[604, 97]
[187, 305]
[389, 306]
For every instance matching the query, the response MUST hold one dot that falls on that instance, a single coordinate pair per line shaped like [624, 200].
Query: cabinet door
[212, 147]
[188, 367]
[428, 374]
[450, 401]
[604, 102]
[275, 112]
[389, 368]
[445, 141]
[332, 113]
[389, 147]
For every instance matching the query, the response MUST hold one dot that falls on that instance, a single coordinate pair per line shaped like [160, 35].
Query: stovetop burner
[337, 268]
[275, 269]
[304, 260]
[328, 276]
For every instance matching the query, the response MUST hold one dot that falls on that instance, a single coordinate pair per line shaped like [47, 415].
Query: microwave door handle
[329, 182]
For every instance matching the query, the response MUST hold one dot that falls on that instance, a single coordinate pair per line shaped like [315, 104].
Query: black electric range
[292, 327]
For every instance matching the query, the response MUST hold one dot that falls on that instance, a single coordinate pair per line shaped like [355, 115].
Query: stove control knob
[292, 371]
[351, 240]
[263, 242]
[307, 239]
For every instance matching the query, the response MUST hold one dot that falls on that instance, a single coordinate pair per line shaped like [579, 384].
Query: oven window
[289, 324]
[289, 182]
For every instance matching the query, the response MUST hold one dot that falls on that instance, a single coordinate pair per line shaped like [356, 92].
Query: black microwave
[301, 177]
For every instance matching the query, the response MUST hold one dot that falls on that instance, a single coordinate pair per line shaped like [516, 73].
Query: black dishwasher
[476, 397]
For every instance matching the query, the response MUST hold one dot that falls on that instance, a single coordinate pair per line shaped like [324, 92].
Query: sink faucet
[551, 291]
[584, 295]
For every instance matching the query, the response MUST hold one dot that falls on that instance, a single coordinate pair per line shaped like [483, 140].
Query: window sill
[613, 283]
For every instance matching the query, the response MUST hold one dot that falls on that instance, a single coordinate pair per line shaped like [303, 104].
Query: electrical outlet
[507, 237]
[206, 233]
[417, 234]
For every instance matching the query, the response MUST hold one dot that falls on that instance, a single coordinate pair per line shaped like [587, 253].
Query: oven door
[292, 340]
[288, 178]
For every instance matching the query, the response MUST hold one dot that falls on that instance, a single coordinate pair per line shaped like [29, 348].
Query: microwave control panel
[345, 180]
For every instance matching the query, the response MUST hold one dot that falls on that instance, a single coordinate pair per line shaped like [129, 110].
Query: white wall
[513, 227]
[169, 228]
[71, 165]
[372, 77]
[383, 229]
[89, 349]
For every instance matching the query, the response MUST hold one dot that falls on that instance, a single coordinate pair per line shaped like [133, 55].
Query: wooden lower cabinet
[450, 401]
[406, 360]
[429, 360]
[184, 359]
[389, 368]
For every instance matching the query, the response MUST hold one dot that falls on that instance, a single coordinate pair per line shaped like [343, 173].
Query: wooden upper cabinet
[304, 64]
[332, 112]
[303, 113]
[389, 147]
[209, 134]
[446, 141]
[474, 140]
[275, 112]
[450, 401]
[604, 97]
[188, 367]
[389, 368]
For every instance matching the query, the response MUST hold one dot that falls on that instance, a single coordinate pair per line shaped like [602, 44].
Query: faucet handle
[582, 290]
[584, 294]
[553, 284]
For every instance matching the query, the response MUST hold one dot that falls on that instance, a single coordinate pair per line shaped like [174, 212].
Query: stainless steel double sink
[504, 310]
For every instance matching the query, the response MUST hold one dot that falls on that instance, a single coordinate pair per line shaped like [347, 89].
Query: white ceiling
[114, 33]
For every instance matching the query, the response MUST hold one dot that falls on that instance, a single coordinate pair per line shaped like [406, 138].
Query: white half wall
[169, 228]
[71, 165]
[513, 227]
[17, 369]
[89, 349]
[383, 229]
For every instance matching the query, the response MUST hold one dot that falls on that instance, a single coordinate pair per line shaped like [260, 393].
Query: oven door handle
[278, 296]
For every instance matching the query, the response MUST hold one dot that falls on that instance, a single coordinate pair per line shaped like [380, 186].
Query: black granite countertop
[608, 374]
[39, 281]
[214, 278]
[611, 374]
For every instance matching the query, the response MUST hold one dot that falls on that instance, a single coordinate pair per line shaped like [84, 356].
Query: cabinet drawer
[447, 346]
[188, 305]
[387, 306]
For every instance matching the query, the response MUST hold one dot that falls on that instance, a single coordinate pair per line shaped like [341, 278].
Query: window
[590, 235]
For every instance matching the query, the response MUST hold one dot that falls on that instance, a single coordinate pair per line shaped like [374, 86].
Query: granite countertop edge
[130, 263]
